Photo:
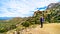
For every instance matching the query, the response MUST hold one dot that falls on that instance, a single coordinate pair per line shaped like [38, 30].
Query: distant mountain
[5, 18]
[53, 5]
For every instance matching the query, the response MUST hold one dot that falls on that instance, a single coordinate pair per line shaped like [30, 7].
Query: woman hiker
[42, 21]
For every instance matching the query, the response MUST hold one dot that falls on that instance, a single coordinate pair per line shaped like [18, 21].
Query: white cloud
[21, 8]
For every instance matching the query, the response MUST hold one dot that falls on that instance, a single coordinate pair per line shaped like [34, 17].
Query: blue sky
[22, 8]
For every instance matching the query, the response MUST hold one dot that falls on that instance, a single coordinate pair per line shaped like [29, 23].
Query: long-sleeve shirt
[42, 19]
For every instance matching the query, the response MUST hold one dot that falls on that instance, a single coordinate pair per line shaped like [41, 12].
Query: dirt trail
[52, 28]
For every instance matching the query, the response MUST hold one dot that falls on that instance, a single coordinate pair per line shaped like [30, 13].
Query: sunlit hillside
[20, 25]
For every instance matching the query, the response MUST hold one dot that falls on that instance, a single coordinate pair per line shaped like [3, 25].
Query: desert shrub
[3, 30]
[12, 26]
[37, 22]
[32, 23]
[26, 24]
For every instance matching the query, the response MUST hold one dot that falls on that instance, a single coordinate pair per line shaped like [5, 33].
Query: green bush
[26, 24]
[3, 30]
[37, 22]
[32, 23]
[12, 27]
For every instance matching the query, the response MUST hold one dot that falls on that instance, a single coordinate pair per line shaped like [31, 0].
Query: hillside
[52, 28]
[51, 15]
[54, 10]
